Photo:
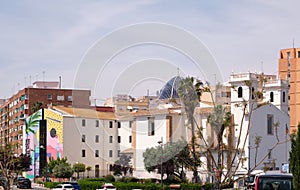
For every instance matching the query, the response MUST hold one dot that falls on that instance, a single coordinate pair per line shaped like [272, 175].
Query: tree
[79, 167]
[37, 106]
[88, 169]
[189, 97]
[52, 163]
[174, 157]
[122, 166]
[220, 126]
[63, 170]
[219, 119]
[10, 164]
[295, 158]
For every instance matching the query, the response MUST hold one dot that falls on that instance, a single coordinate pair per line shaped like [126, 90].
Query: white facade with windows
[269, 120]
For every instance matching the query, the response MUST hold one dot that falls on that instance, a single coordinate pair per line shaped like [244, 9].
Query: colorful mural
[54, 138]
[32, 141]
[54, 134]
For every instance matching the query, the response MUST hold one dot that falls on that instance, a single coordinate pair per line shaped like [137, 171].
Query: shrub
[109, 178]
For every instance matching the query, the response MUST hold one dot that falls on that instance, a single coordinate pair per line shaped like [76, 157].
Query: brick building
[14, 110]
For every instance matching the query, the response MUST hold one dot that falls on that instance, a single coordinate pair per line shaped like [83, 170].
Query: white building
[269, 120]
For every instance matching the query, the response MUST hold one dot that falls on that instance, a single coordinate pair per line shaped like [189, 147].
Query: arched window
[283, 96]
[240, 92]
[271, 96]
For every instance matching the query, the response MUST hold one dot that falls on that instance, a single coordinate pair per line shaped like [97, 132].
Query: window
[151, 127]
[60, 98]
[83, 153]
[252, 93]
[110, 124]
[82, 138]
[49, 96]
[119, 139]
[110, 153]
[96, 153]
[130, 124]
[97, 138]
[83, 122]
[283, 96]
[110, 139]
[271, 96]
[130, 139]
[97, 123]
[119, 124]
[270, 124]
[70, 98]
[240, 92]
[298, 54]
[119, 153]
[288, 55]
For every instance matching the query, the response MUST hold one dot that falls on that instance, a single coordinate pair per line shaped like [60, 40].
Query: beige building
[289, 69]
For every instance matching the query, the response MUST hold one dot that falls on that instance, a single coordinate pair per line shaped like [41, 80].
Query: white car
[63, 187]
[107, 186]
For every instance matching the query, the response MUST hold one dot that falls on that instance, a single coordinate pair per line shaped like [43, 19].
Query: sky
[42, 40]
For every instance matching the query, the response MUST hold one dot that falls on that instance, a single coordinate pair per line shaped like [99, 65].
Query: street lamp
[161, 163]
[34, 160]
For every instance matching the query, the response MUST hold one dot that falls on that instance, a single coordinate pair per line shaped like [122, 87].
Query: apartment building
[289, 69]
[14, 110]
[81, 135]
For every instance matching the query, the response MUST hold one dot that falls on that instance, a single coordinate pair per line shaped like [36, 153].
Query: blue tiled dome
[170, 89]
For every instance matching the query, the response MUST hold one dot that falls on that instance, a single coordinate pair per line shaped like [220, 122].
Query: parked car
[74, 184]
[63, 187]
[274, 182]
[23, 182]
[107, 186]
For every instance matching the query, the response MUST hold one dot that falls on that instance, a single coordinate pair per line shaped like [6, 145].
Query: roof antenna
[178, 73]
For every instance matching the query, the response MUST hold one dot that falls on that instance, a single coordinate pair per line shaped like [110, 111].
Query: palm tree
[190, 98]
[36, 106]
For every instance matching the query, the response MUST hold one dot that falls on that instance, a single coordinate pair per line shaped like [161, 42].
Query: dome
[170, 89]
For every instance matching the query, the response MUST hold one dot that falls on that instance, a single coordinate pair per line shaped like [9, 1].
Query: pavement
[40, 186]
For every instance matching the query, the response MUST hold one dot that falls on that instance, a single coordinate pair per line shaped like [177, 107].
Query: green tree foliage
[295, 158]
[37, 106]
[174, 157]
[78, 168]
[189, 96]
[52, 163]
[122, 166]
[63, 170]
[88, 169]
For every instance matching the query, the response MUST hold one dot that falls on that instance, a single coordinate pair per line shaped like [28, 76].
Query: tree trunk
[195, 169]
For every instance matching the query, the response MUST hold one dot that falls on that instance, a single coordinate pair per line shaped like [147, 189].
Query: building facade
[289, 69]
[18, 107]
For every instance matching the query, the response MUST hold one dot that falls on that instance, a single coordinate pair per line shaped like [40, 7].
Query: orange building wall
[294, 101]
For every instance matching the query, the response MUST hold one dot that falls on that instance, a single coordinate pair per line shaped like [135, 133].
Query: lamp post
[161, 164]
[34, 160]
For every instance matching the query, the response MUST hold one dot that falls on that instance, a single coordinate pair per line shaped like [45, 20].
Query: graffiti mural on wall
[54, 134]
[54, 138]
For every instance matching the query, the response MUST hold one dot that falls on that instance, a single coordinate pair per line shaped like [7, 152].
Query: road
[34, 186]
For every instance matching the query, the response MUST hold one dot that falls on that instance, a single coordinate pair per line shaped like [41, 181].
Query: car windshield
[275, 183]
